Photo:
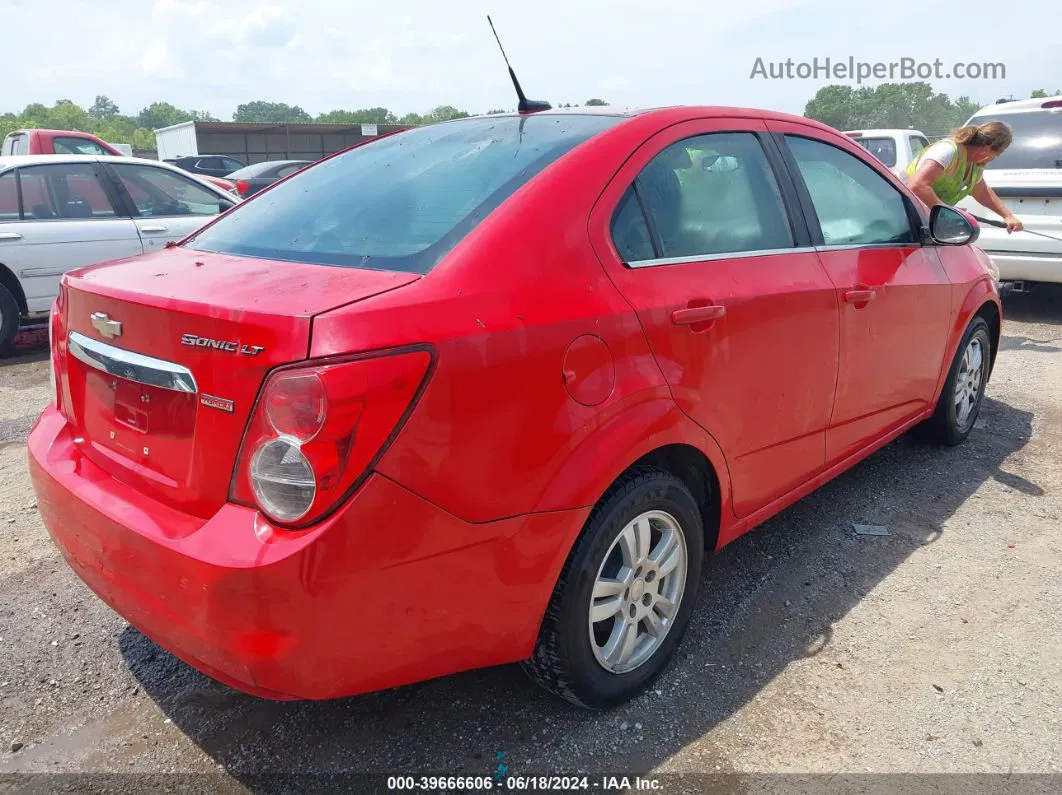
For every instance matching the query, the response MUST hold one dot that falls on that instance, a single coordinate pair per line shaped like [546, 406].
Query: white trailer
[177, 140]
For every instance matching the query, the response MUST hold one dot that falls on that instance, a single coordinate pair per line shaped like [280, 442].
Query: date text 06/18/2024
[518, 783]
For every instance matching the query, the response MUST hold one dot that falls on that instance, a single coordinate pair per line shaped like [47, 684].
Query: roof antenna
[526, 105]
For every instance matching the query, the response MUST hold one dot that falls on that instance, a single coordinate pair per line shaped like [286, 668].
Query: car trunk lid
[163, 357]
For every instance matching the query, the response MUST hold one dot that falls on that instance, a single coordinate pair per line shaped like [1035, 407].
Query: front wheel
[964, 389]
[625, 594]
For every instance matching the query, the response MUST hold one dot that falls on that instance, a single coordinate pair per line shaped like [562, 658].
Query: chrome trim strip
[133, 366]
[850, 246]
[767, 252]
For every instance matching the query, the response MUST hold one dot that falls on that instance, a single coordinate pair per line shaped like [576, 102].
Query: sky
[412, 55]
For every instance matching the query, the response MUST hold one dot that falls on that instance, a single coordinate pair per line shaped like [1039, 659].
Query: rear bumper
[389, 590]
[1027, 267]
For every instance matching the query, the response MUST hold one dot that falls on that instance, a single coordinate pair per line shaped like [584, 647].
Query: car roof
[1021, 106]
[674, 112]
[11, 161]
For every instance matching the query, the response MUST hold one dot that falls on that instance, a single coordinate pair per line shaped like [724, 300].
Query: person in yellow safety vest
[950, 170]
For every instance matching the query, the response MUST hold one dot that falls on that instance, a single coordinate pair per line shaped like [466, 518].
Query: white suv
[1028, 179]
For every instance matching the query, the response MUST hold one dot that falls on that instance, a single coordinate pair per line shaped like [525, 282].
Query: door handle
[861, 296]
[697, 314]
[10, 236]
[153, 229]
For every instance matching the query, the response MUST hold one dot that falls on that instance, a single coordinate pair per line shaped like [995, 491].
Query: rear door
[68, 218]
[704, 240]
[166, 206]
[893, 293]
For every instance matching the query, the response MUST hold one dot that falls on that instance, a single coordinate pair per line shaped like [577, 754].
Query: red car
[488, 391]
[73, 142]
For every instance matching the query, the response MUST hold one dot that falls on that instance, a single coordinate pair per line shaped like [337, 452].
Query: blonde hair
[995, 134]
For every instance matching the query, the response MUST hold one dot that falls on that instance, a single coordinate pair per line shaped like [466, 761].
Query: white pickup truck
[894, 148]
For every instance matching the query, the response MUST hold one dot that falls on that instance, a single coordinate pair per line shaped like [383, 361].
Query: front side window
[8, 197]
[70, 145]
[160, 192]
[918, 143]
[1037, 139]
[401, 202]
[884, 149]
[854, 203]
[714, 194]
[67, 191]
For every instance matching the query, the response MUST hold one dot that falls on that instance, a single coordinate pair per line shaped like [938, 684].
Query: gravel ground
[935, 649]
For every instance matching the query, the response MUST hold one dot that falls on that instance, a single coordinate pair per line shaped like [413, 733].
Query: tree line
[105, 120]
[896, 106]
[893, 105]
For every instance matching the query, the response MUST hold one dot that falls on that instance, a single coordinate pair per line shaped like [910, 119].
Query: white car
[1028, 178]
[59, 212]
[895, 148]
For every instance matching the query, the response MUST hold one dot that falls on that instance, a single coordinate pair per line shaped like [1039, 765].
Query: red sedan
[491, 391]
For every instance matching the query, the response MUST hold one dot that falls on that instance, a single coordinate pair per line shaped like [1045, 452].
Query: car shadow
[768, 599]
[1042, 304]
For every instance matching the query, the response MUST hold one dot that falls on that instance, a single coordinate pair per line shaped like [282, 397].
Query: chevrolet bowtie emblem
[105, 326]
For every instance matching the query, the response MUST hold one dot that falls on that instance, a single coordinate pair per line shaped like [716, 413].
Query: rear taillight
[54, 334]
[317, 430]
[242, 186]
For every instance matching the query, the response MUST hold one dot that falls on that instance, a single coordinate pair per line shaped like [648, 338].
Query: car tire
[9, 320]
[964, 389]
[588, 662]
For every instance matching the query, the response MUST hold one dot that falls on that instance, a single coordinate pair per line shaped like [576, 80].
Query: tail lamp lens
[283, 480]
[317, 430]
[242, 186]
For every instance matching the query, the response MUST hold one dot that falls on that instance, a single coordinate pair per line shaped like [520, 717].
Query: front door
[894, 294]
[695, 231]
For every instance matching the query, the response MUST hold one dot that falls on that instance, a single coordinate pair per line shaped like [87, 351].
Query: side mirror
[951, 227]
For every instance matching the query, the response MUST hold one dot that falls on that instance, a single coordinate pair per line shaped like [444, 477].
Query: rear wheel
[9, 320]
[960, 400]
[625, 595]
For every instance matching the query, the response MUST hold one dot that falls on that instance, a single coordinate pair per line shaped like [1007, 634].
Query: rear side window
[918, 143]
[884, 149]
[70, 145]
[855, 205]
[714, 194]
[159, 192]
[8, 197]
[286, 170]
[70, 191]
[1037, 139]
[230, 164]
[401, 202]
[630, 232]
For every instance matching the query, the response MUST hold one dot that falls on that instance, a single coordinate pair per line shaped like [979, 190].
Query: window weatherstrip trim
[765, 252]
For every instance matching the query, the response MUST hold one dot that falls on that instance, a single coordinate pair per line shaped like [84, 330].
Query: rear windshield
[1037, 139]
[884, 149]
[400, 203]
